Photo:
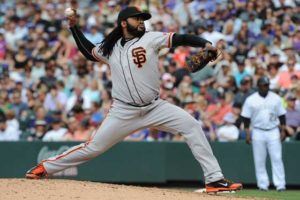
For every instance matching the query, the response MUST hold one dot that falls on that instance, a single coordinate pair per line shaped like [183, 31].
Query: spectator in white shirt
[57, 132]
[7, 133]
[228, 132]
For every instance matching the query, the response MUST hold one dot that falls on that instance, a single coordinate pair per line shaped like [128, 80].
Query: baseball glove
[200, 60]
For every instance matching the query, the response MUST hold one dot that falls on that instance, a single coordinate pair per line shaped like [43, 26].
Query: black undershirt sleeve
[188, 40]
[246, 122]
[282, 120]
[84, 45]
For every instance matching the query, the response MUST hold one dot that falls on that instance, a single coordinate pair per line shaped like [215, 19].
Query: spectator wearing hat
[241, 73]
[228, 132]
[212, 35]
[57, 132]
[37, 133]
[292, 117]
[245, 90]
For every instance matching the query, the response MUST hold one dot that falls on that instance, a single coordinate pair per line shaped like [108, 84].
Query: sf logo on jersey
[139, 56]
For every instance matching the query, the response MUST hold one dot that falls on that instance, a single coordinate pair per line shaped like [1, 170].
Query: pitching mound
[19, 189]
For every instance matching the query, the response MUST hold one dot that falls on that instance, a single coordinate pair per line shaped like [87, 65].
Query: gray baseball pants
[123, 119]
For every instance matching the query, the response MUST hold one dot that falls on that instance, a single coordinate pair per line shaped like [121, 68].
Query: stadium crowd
[50, 92]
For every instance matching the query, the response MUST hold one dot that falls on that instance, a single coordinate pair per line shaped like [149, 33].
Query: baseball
[69, 12]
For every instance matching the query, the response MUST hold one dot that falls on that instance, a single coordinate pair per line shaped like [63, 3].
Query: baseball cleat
[36, 172]
[222, 186]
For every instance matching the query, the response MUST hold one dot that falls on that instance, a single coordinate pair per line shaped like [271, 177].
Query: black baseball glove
[200, 60]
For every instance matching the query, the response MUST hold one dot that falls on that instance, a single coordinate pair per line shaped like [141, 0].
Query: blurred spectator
[55, 99]
[245, 90]
[11, 120]
[216, 112]
[292, 117]
[228, 132]
[297, 91]
[81, 132]
[49, 78]
[241, 73]
[96, 115]
[287, 72]
[94, 35]
[37, 53]
[91, 94]
[17, 105]
[222, 74]
[72, 125]
[139, 135]
[37, 133]
[212, 35]
[75, 98]
[273, 75]
[56, 133]
[7, 131]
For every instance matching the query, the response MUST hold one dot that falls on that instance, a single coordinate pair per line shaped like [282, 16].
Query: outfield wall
[145, 162]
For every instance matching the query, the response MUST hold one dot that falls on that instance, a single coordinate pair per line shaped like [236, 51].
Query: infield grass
[271, 194]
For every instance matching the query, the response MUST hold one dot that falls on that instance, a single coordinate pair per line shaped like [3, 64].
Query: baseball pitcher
[132, 54]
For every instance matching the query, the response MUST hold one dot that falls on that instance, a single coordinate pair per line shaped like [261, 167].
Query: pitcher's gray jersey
[134, 66]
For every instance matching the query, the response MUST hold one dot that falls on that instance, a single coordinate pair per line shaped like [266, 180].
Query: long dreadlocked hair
[107, 45]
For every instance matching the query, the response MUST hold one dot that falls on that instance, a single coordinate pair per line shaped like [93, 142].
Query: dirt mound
[48, 189]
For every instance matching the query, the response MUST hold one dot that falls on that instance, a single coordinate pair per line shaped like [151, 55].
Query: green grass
[271, 194]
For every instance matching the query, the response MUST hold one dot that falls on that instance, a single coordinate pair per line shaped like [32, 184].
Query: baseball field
[48, 189]
[51, 189]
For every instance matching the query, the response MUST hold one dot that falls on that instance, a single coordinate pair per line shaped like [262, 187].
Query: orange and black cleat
[36, 172]
[222, 185]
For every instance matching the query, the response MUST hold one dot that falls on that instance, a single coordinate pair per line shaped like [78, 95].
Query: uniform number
[273, 117]
[139, 56]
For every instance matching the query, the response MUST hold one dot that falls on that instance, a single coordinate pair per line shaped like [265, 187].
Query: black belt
[136, 105]
[263, 129]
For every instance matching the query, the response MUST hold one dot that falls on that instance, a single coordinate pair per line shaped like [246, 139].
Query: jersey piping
[125, 77]
[131, 72]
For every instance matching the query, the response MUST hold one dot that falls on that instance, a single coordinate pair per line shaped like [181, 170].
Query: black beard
[263, 93]
[134, 31]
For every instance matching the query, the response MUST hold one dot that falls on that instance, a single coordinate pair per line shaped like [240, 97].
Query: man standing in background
[262, 109]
